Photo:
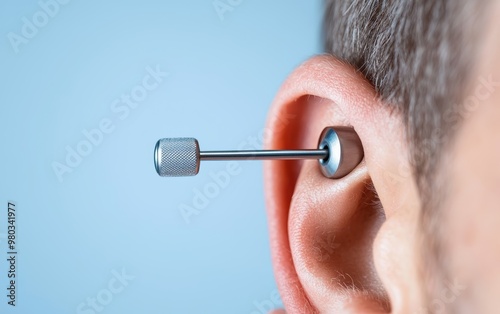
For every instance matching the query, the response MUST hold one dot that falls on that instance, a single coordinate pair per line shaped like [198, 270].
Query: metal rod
[265, 154]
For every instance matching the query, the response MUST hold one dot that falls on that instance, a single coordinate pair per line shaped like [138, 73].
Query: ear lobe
[332, 240]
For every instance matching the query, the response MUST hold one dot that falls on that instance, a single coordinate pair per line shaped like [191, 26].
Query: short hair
[418, 55]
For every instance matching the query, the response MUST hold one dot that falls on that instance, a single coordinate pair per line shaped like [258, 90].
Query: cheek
[472, 245]
[471, 220]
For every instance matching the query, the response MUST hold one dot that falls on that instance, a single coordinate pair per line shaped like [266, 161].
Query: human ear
[346, 244]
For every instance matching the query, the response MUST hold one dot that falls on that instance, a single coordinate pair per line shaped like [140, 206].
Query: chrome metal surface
[339, 152]
[345, 151]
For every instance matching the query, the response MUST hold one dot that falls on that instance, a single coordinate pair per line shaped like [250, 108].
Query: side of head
[415, 227]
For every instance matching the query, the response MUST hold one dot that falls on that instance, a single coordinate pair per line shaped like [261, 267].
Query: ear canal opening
[327, 158]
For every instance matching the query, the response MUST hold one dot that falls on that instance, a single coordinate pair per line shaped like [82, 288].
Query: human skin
[339, 247]
[471, 213]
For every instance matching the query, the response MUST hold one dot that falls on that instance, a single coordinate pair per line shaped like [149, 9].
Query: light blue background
[113, 211]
